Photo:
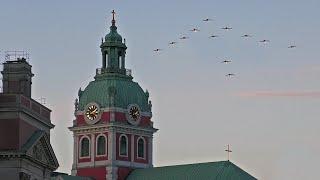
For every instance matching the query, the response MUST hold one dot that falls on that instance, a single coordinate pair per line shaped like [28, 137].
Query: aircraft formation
[212, 36]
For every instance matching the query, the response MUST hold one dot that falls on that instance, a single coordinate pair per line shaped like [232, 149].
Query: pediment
[39, 150]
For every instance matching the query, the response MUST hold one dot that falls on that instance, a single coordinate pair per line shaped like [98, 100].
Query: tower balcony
[100, 71]
[21, 103]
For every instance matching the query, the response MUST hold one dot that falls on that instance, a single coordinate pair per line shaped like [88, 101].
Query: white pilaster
[112, 170]
[75, 155]
[132, 148]
[92, 151]
[150, 151]
[110, 144]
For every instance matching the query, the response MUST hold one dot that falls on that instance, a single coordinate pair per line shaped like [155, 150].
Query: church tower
[113, 131]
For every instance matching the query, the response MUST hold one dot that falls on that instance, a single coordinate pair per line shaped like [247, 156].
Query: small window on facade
[85, 147]
[123, 146]
[141, 148]
[101, 145]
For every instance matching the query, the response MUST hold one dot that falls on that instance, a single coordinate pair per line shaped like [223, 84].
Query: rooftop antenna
[42, 100]
[228, 150]
[16, 55]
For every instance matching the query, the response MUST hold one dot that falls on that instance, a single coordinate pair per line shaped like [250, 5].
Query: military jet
[173, 43]
[292, 46]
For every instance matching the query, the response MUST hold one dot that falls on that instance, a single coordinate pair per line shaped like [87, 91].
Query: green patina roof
[223, 170]
[126, 92]
[33, 139]
[63, 176]
[113, 35]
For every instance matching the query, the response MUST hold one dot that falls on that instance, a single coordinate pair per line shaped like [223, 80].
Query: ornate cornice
[119, 127]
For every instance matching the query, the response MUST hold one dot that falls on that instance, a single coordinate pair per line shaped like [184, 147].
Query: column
[150, 151]
[132, 148]
[92, 151]
[104, 59]
[75, 155]
[123, 60]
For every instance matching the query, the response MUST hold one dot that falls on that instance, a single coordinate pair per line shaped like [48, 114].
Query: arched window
[123, 145]
[141, 148]
[85, 147]
[119, 59]
[101, 145]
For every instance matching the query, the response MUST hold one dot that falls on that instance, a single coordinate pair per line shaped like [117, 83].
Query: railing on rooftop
[128, 72]
[100, 71]
[16, 55]
[27, 104]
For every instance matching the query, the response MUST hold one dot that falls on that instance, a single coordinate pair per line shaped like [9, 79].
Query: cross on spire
[228, 150]
[113, 14]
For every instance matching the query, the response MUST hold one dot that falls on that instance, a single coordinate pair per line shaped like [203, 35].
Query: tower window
[123, 145]
[85, 147]
[101, 145]
[141, 148]
[119, 59]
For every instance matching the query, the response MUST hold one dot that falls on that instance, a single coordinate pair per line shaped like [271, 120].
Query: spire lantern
[113, 51]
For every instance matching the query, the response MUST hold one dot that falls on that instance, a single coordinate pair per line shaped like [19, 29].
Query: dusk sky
[268, 112]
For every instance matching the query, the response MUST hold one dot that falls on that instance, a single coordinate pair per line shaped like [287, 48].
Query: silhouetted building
[25, 150]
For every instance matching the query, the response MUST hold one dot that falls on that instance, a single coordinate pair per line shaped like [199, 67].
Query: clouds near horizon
[278, 94]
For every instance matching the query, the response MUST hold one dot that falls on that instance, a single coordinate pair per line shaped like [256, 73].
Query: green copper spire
[113, 85]
[113, 52]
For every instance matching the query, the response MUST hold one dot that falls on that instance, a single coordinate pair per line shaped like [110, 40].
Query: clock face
[92, 112]
[134, 113]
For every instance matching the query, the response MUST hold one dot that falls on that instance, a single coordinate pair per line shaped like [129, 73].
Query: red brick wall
[14, 133]
[13, 87]
[25, 101]
[105, 117]
[25, 130]
[123, 172]
[145, 121]
[99, 173]
[80, 120]
[9, 134]
[120, 117]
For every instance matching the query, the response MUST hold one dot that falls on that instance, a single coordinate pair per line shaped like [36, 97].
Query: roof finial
[228, 150]
[113, 20]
